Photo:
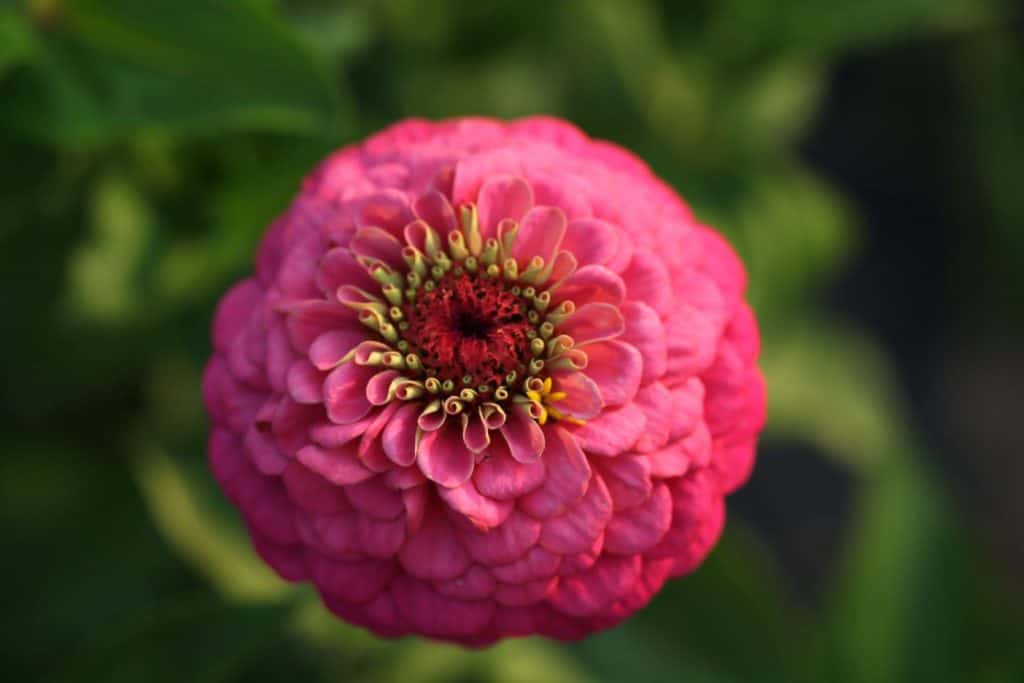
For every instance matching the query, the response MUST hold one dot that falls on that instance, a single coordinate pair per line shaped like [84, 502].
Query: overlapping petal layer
[488, 379]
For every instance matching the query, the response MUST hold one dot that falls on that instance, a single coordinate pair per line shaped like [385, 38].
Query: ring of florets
[464, 326]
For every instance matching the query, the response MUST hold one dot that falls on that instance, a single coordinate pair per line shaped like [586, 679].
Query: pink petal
[592, 241]
[647, 280]
[502, 197]
[331, 435]
[656, 402]
[289, 564]
[535, 564]
[562, 267]
[576, 529]
[481, 511]
[380, 538]
[638, 529]
[329, 348]
[613, 431]
[311, 491]
[345, 393]
[378, 386]
[292, 423]
[332, 534]
[338, 268]
[476, 584]
[375, 243]
[521, 594]
[433, 553]
[388, 210]
[305, 382]
[234, 311]
[593, 322]
[307, 320]
[501, 544]
[524, 436]
[670, 461]
[583, 398]
[502, 477]
[399, 436]
[339, 466]
[372, 497]
[591, 284]
[592, 591]
[443, 457]
[434, 208]
[427, 612]
[645, 331]
[567, 476]
[263, 452]
[628, 478]
[616, 369]
[352, 581]
[540, 234]
[475, 434]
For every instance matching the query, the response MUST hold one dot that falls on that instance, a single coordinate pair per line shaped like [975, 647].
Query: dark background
[865, 158]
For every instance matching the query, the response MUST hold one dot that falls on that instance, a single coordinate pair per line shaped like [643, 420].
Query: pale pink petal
[305, 383]
[345, 393]
[645, 331]
[443, 458]
[399, 436]
[613, 431]
[434, 208]
[524, 436]
[583, 398]
[481, 511]
[339, 466]
[592, 241]
[568, 474]
[593, 322]
[540, 234]
[375, 243]
[327, 350]
[591, 284]
[616, 369]
[575, 530]
[502, 477]
[500, 198]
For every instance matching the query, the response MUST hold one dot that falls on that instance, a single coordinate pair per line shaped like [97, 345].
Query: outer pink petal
[568, 474]
[591, 591]
[234, 311]
[503, 544]
[433, 553]
[638, 529]
[645, 331]
[613, 431]
[616, 368]
[502, 477]
[582, 523]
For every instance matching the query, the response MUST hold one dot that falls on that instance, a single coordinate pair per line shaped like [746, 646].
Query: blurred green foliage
[145, 147]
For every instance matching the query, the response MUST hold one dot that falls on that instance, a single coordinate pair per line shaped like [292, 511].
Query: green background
[865, 158]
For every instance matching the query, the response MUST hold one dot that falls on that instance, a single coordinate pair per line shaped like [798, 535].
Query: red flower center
[469, 325]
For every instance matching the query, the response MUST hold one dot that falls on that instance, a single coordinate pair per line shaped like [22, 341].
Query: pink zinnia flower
[489, 379]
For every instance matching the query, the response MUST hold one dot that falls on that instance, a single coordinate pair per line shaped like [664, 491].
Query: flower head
[488, 379]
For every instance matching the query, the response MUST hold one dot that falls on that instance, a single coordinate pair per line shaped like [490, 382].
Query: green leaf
[186, 639]
[115, 67]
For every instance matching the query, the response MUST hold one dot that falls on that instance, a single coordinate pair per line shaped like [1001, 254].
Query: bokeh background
[865, 158]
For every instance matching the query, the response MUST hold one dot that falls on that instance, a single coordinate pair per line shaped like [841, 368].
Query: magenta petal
[592, 284]
[540, 234]
[476, 584]
[576, 529]
[312, 492]
[345, 393]
[443, 457]
[353, 581]
[638, 529]
[339, 466]
[670, 461]
[593, 322]
[399, 436]
[263, 452]
[305, 382]
[329, 348]
[433, 553]
[567, 476]
[377, 387]
[645, 331]
[616, 369]
[426, 611]
[372, 497]
[613, 431]
[647, 280]
[592, 591]
[330, 435]
[628, 478]
[535, 564]
[481, 511]
[502, 477]
[521, 594]
[233, 313]
[307, 320]
[501, 544]
[380, 538]
[434, 208]
[583, 397]
[502, 197]
[378, 244]
[524, 436]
